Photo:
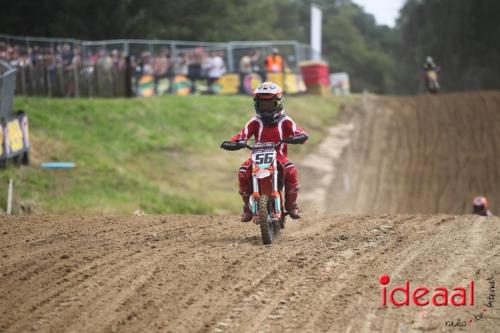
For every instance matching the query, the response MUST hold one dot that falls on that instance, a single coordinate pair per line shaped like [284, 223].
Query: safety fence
[7, 89]
[115, 68]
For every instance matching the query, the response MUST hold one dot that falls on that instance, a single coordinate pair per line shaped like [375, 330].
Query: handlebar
[233, 146]
[251, 146]
[229, 145]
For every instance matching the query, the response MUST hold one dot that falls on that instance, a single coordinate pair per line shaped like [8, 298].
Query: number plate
[263, 158]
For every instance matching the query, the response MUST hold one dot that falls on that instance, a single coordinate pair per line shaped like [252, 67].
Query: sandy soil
[211, 273]
[202, 273]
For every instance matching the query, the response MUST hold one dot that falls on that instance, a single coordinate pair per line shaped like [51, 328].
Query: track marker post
[9, 196]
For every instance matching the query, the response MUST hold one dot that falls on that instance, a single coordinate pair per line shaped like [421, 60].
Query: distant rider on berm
[480, 206]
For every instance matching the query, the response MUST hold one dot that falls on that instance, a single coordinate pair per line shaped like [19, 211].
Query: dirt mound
[425, 154]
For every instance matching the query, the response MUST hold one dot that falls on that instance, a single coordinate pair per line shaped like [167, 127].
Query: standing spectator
[104, 74]
[194, 67]
[216, 69]
[34, 54]
[274, 62]
[72, 73]
[245, 68]
[161, 66]
[255, 57]
[67, 55]
[67, 79]
[146, 63]
[246, 64]
[118, 59]
[206, 64]
[118, 71]
[51, 65]
[181, 64]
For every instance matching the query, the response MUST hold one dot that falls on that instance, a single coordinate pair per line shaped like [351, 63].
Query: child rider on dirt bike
[270, 124]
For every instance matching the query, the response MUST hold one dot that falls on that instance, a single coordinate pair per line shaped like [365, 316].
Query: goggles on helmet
[266, 105]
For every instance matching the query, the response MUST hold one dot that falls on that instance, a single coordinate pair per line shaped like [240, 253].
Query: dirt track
[210, 273]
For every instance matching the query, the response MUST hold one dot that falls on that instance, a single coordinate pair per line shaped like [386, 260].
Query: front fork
[276, 214]
[276, 193]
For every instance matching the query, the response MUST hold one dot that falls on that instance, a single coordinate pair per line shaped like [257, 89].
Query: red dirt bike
[267, 200]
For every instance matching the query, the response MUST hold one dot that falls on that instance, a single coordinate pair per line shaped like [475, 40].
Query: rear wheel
[266, 229]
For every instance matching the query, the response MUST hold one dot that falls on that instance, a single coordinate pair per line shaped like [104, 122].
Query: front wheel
[266, 228]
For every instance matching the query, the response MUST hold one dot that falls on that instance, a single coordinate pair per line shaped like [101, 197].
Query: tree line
[462, 35]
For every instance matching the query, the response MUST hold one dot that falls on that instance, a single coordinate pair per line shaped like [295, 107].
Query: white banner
[316, 16]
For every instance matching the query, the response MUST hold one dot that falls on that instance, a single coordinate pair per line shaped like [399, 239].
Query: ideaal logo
[423, 296]
[438, 296]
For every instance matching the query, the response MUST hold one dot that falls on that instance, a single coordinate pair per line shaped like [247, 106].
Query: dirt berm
[426, 154]
[211, 274]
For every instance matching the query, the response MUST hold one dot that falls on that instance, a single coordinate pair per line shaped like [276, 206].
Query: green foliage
[167, 19]
[355, 44]
[462, 35]
[160, 155]
[352, 40]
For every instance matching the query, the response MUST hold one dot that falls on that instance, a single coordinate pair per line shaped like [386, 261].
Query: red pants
[290, 174]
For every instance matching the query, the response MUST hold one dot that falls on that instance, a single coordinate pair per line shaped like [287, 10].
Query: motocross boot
[291, 204]
[247, 215]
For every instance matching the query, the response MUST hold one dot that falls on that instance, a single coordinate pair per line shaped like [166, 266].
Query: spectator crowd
[70, 70]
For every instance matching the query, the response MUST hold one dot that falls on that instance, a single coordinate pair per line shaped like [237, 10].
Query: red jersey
[285, 128]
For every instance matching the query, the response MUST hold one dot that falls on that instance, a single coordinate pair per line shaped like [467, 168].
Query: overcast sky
[385, 11]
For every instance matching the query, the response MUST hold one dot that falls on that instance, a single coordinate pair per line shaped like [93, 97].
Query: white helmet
[268, 102]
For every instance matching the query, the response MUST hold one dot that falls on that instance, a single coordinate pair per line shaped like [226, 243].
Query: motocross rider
[480, 207]
[270, 124]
